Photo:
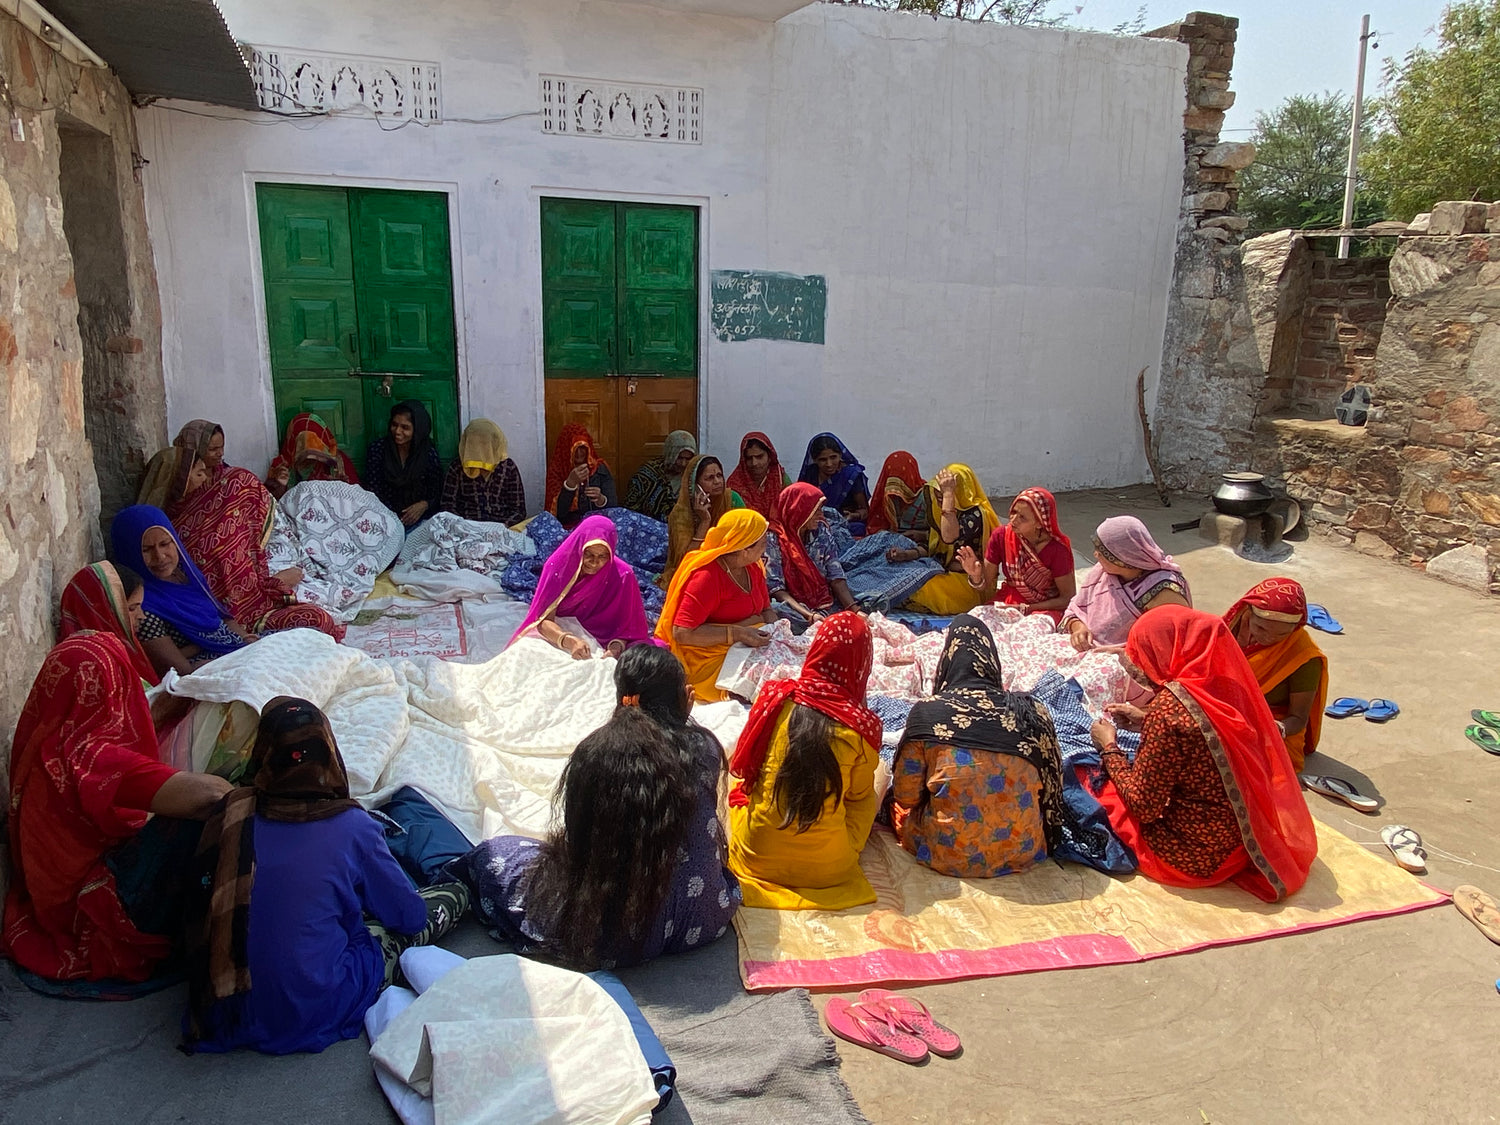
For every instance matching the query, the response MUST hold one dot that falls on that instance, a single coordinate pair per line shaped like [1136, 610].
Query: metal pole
[1359, 112]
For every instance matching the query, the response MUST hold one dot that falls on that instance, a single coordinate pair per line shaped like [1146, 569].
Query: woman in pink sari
[1132, 574]
[586, 580]
[224, 524]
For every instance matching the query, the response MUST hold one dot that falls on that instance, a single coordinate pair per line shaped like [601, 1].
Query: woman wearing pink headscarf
[585, 579]
[1132, 575]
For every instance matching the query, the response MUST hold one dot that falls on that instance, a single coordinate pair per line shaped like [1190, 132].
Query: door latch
[630, 387]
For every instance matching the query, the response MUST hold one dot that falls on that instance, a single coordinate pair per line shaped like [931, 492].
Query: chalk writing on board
[758, 305]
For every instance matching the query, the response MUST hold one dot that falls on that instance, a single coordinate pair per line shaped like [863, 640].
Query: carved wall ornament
[292, 81]
[594, 107]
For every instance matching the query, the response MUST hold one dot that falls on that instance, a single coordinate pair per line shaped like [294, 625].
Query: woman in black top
[403, 468]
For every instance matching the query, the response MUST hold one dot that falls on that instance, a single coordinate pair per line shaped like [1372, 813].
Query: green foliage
[1028, 13]
[1440, 116]
[1301, 155]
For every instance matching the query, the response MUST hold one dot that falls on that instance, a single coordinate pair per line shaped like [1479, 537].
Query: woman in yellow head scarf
[718, 598]
[483, 483]
[961, 517]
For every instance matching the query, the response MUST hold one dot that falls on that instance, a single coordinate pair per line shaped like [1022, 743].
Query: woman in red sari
[1270, 624]
[310, 452]
[84, 775]
[579, 482]
[224, 524]
[759, 477]
[102, 599]
[1033, 555]
[1211, 795]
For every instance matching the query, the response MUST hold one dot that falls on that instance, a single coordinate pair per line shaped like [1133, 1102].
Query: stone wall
[1420, 483]
[1211, 376]
[76, 139]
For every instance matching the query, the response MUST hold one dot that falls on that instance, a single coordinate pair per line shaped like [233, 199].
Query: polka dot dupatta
[833, 682]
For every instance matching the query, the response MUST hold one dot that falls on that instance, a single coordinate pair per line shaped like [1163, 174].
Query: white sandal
[1406, 846]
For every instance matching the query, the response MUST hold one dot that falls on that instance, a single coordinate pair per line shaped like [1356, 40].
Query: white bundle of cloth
[341, 536]
[505, 1040]
[485, 743]
[448, 558]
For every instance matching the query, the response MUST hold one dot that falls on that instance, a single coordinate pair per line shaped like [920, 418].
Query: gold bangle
[729, 634]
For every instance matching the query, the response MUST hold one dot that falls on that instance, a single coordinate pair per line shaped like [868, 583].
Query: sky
[1286, 47]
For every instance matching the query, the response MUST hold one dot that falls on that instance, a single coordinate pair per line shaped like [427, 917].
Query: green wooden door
[359, 287]
[658, 281]
[578, 289]
[619, 289]
[310, 308]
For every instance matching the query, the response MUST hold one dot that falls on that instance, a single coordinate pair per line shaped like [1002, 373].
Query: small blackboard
[757, 305]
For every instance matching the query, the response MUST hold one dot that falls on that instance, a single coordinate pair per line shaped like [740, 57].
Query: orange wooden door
[591, 403]
[650, 409]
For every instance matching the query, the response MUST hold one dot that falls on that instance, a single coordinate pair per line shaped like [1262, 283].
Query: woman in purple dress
[637, 867]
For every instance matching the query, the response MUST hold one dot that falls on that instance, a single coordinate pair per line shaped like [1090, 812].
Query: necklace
[742, 580]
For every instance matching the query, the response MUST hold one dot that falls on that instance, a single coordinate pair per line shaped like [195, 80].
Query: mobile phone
[702, 496]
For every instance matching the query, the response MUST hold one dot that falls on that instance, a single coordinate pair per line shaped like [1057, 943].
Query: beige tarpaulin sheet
[927, 926]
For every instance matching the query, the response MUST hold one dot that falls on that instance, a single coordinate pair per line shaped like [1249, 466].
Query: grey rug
[739, 1058]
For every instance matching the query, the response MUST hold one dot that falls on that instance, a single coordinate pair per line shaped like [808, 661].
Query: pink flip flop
[875, 1029]
[913, 1016]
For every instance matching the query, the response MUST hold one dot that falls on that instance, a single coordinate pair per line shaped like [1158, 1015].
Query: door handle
[351, 346]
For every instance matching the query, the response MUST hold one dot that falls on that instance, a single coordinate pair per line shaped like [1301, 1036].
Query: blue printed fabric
[1087, 835]
[643, 544]
[880, 585]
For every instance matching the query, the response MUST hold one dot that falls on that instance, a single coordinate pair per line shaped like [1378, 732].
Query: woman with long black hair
[636, 866]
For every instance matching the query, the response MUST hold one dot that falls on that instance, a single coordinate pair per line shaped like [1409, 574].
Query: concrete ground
[1390, 1020]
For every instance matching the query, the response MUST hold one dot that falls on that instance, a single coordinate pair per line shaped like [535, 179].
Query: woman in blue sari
[182, 626]
[831, 466]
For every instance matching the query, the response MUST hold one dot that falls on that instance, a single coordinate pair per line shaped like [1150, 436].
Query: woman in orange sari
[1270, 624]
[1210, 795]
[901, 504]
[718, 598]
[310, 452]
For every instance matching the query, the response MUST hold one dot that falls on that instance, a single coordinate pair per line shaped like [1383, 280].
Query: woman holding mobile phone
[703, 499]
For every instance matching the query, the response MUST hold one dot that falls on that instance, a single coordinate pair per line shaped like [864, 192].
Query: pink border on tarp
[1076, 951]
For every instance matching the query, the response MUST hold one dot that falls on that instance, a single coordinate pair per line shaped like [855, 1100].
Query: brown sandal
[1480, 909]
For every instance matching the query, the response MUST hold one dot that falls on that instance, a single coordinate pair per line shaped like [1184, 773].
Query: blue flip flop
[1345, 706]
[1320, 618]
[1381, 711]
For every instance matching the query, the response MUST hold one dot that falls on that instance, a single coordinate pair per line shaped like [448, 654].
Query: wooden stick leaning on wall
[1140, 406]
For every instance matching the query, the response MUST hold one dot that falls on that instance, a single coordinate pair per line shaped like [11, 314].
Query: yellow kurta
[817, 869]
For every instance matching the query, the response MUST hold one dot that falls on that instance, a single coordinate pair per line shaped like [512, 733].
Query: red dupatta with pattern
[224, 525]
[833, 681]
[1026, 575]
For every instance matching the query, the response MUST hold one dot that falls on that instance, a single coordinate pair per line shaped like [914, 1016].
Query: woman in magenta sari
[586, 580]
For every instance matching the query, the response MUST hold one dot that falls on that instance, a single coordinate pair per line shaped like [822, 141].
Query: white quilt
[484, 742]
[448, 558]
[341, 536]
[506, 1040]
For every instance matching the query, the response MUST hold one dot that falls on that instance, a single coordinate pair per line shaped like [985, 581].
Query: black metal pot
[1243, 494]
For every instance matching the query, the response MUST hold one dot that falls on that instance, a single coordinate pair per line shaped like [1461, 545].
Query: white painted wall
[993, 207]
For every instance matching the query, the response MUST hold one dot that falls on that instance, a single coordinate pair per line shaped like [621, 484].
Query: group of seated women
[280, 900]
[127, 873]
[404, 470]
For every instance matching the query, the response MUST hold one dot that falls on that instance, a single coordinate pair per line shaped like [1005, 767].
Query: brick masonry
[1420, 483]
[1340, 330]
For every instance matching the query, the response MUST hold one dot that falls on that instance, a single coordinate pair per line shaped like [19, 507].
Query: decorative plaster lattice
[289, 81]
[593, 107]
